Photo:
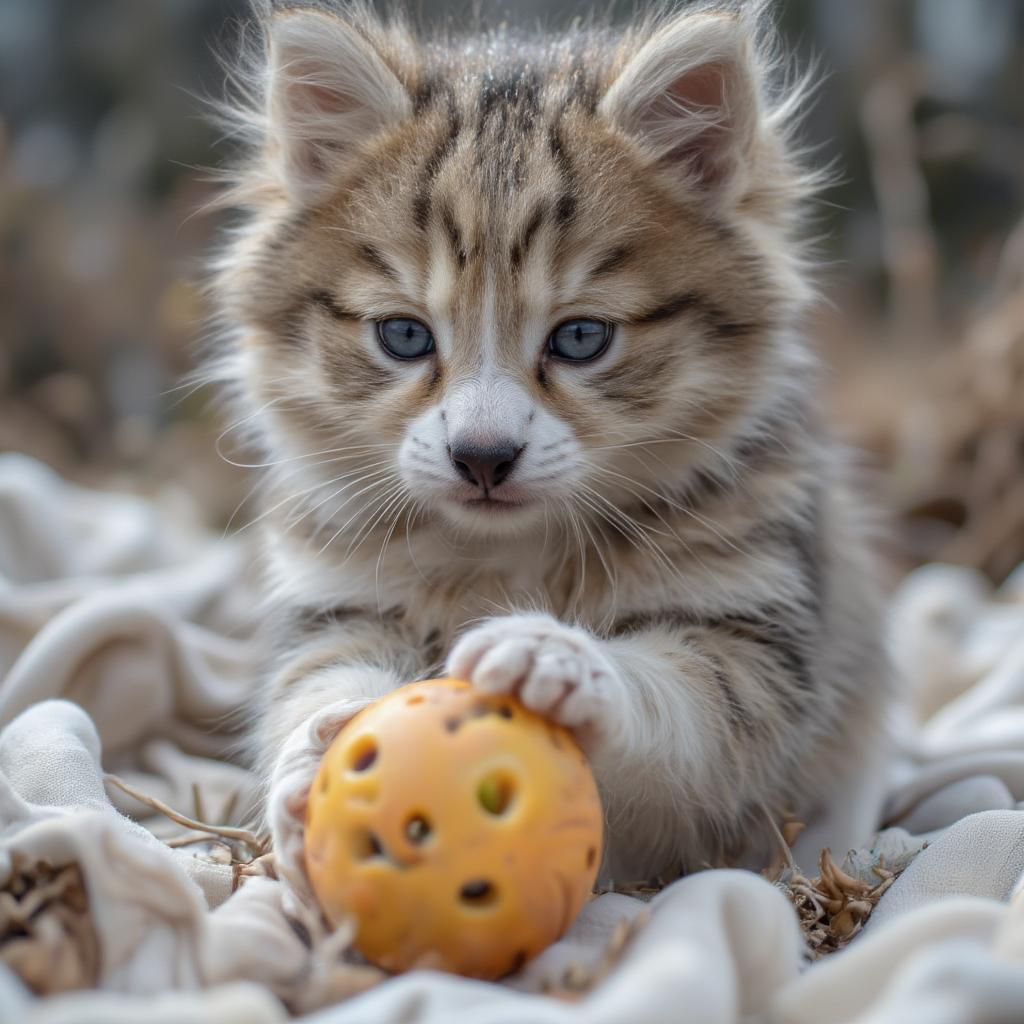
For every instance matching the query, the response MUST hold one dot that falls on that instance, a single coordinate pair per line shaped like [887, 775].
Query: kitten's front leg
[692, 727]
[333, 670]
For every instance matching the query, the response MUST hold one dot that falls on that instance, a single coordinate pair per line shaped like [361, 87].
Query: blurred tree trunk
[909, 249]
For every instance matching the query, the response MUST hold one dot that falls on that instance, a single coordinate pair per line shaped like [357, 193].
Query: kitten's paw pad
[556, 670]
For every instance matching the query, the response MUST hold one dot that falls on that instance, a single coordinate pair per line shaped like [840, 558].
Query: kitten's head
[498, 280]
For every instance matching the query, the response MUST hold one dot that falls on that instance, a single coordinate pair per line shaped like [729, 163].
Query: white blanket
[128, 644]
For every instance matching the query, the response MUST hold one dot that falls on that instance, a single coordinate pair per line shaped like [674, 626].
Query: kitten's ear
[691, 95]
[328, 90]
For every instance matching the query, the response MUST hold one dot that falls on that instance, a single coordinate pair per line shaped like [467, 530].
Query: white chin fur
[491, 522]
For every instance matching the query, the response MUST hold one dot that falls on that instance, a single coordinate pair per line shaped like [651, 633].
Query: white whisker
[344, 526]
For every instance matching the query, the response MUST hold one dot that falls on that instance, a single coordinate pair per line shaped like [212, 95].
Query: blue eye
[404, 338]
[580, 340]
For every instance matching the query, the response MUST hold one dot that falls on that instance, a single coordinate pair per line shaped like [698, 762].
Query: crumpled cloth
[129, 643]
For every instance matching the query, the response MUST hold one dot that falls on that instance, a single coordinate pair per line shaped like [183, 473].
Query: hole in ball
[363, 754]
[496, 792]
[591, 857]
[325, 783]
[418, 829]
[365, 845]
[518, 962]
[478, 893]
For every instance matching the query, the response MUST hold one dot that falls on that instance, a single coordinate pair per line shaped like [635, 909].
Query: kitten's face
[502, 309]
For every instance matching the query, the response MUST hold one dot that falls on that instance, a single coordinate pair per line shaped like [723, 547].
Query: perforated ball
[460, 830]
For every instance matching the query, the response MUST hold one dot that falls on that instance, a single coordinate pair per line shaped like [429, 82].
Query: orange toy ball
[460, 830]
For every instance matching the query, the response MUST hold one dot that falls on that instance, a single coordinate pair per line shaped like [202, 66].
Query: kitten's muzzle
[484, 467]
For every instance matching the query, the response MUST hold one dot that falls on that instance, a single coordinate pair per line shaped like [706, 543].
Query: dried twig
[255, 845]
[833, 907]
[785, 854]
[46, 932]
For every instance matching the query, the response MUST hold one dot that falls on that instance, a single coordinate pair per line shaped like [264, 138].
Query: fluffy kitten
[514, 320]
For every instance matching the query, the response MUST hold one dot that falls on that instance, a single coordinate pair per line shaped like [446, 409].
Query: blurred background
[104, 142]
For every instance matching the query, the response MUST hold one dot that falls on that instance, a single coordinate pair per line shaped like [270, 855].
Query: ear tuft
[328, 91]
[690, 94]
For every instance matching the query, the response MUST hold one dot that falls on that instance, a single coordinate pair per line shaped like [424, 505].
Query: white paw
[556, 670]
[293, 773]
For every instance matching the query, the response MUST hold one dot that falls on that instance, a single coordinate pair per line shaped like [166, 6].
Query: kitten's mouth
[490, 502]
[505, 502]
[489, 511]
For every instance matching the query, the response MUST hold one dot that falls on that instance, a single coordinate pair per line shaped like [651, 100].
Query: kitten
[515, 321]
